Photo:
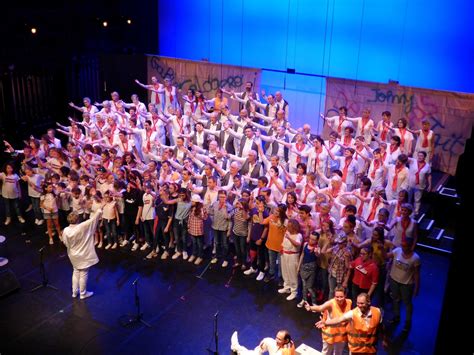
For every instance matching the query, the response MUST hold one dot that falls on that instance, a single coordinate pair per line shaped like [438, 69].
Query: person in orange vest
[334, 336]
[281, 345]
[365, 324]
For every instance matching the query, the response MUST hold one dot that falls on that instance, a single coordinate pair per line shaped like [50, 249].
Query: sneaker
[108, 246]
[291, 297]
[164, 255]
[74, 294]
[300, 304]
[100, 245]
[30, 207]
[214, 261]
[135, 246]
[243, 267]
[96, 242]
[7, 221]
[234, 342]
[284, 290]
[145, 246]
[198, 261]
[87, 294]
[40, 222]
[124, 243]
[250, 271]
[225, 263]
[236, 264]
[21, 219]
[260, 276]
[51, 242]
[151, 254]
[114, 246]
[191, 258]
[185, 255]
[36, 221]
[176, 255]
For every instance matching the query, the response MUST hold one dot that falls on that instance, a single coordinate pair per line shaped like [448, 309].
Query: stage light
[33, 30]
[129, 21]
[105, 24]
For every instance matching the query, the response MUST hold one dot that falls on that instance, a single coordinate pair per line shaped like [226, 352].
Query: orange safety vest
[336, 333]
[362, 335]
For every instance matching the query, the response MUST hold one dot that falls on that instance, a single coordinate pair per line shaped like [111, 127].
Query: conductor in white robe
[79, 241]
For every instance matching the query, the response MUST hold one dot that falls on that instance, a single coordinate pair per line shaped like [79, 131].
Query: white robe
[79, 241]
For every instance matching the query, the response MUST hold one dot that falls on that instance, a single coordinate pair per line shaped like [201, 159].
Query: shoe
[176, 255]
[164, 256]
[191, 258]
[30, 207]
[21, 219]
[260, 276]
[51, 242]
[284, 290]
[268, 278]
[291, 297]
[198, 261]
[135, 246]
[234, 342]
[250, 271]
[114, 246]
[100, 245]
[300, 304]
[74, 294]
[145, 246]
[124, 243]
[96, 242]
[225, 263]
[394, 320]
[243, 267]
[214, 261]
[151, 254]
[7, 221]
[40, 222]
[87, 294]
[108, 247]
[185, 255]
[36, 221]
[236, 264]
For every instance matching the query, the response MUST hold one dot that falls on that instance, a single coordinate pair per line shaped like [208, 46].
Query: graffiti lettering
[389, 97]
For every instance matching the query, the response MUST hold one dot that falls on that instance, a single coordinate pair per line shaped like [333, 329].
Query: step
[436, 234]
[446, 242]
[433, 249]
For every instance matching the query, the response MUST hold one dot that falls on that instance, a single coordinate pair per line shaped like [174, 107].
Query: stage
[179, 306]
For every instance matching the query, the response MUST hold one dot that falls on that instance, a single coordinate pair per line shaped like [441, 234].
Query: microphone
[135, 282]
[41, 250]
[217, 313]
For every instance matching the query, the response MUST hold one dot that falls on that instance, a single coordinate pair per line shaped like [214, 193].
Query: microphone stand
[216, 337]
[44, 277]
[138, 316]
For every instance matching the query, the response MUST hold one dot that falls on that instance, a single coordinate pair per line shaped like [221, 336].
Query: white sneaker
[300, 304]
[87, 294]
[260, 276]
[145, 246]
[36, 221]
[164, 256]
[40, 222]
[214, 261]
[185, 255]
[135, 246]
[74, 294]
[51, 242]
[7, 221]
[100, 245]
[225, 263]
[198, 261]
[191, 258]
[250, 271]
[107, 247]
[124, 243]
[21, 219]
[291, 297]
[234, 342]
[114, 246]
[284, 290]
[151, 254]
[176, 255]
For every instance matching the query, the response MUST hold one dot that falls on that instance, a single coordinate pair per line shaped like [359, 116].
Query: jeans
[148, 231]
[35, 202]
[404, 293]
[180, 230]
[323, 278]
[197, 245]
[111, 230]
[308, 274]
[240, 242]
[272, 256]
[161, 237]
[12, 203]
[222, 243]
[332, 285]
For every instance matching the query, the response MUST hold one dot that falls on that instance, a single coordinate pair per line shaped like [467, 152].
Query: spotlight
[129, 21]
[105, 24]
[33, 30]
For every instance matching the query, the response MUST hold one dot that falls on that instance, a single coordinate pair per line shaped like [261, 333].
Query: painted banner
[203, 76]
[451, 114]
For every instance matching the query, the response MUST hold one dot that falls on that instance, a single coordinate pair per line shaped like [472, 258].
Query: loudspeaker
[8, 282]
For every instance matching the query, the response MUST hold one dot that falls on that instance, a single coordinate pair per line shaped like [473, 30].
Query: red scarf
[299, 148]
[316, 161]
[148, 142]
[307, 191]
[393, 148]
[398, 209]
[347, 162]
[405, 224]
[125, 146]
[402, 136]
[383, 136]
[180, 124]
[156, 87]
[425, 143]
[395, 178]
[362, 203]
[373, 208]
[420, 167]
[363, 125]
[375, 167]
[347, 140]
[170, 92]
[339, 127]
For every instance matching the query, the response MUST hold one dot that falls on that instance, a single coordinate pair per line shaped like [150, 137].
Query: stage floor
[179, 306]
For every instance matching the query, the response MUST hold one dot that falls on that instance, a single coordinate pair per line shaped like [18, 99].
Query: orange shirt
[276, 232]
